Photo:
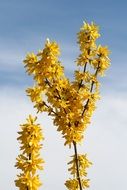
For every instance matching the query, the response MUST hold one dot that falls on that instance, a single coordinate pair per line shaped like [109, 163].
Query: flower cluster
[70, 103]
[29, 160]
[83, 164]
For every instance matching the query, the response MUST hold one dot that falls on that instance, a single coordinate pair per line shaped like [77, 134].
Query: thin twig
[84, 70]
[77, 165]
[50, 108]
[91, 89]
[58, 97]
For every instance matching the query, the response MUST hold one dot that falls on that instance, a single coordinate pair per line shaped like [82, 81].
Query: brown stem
[77, 165]
[49, 84]
[50, 108]
[58, 97]
[27, 188]
[91, 89]
[29, 156]
[84, 70]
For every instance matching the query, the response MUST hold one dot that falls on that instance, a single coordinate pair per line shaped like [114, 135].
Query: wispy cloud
[13, 73]
[24, 27]
[105, 142]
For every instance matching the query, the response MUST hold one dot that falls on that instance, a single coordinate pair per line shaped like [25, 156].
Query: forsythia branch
[77, 165]
[29, 160]
[70, 103]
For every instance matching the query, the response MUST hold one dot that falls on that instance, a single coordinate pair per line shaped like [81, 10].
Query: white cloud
[12, 55]
[15, 107]
[105, 138]
[105, 143]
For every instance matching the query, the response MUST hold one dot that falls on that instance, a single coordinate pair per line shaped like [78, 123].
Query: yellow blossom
[29, 160]
[72, 184]
[70, 103]
[26, 181]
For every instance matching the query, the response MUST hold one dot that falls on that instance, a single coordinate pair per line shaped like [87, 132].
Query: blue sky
[24, 27]
[26, 24]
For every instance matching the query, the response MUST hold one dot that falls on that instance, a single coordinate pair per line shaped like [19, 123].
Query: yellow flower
[29, 160]
[31, 63]
[44, 65]
[26, 181]
[83, 163]
[70, 103]
[87, 36]
[72, 184]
